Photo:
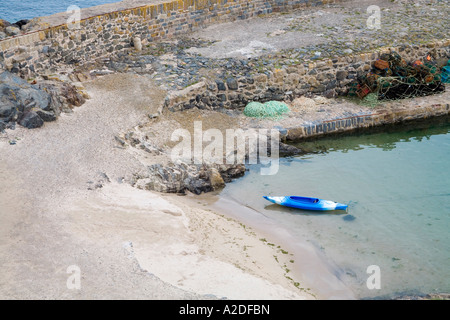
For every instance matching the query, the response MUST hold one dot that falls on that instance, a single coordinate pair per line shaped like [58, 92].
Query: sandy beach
[128, 243]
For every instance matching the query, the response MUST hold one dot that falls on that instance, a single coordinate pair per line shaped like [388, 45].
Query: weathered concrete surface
[329, 30]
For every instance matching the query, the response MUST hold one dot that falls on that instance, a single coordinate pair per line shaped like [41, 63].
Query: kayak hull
[306, 203]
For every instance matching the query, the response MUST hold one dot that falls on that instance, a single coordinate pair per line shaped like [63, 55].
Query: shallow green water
[398, 185]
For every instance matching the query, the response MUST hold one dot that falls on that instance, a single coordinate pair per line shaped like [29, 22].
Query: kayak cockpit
[305, 199]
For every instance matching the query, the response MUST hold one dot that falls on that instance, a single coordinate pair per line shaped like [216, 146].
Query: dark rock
[31, 120]
[211, 86]
[329, 94]
[320, 88]
[34, 103]
[18, 97]
[7, 110]
[287, 150]
[21, 23]
[230, 172]
[232, 84]
[206, 100]
[341, 75]
[47, 116]
[331, 85]
[220, 85]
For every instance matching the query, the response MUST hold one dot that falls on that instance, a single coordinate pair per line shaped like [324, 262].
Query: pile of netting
[393, 78]
[271, 109]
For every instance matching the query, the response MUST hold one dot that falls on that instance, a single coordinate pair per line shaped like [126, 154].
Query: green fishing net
[270, 109]
[371, 100]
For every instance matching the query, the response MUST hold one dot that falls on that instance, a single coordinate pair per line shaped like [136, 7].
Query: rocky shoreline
[32, 104]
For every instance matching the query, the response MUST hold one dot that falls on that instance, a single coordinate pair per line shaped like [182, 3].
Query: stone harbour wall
[378, 118]
[46, 50]
[329, 77]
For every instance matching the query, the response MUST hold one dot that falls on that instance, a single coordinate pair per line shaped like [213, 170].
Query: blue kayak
[307, 203]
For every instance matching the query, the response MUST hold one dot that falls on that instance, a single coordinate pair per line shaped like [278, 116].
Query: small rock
[232, 84]
[277, 33]
[287, 150]
[31, 120]
[341, 75]
[7, 110]
[4, 23]
[12, 31]
[47, 116]
[220, 85]
[216, 179]
[137, 43]
[120, 141]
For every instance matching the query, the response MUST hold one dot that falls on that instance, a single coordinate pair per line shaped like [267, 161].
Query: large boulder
[18, 98]
[30, 105]
[196, 178]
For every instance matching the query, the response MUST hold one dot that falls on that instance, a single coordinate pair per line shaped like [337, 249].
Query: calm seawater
[398, 187]
[14, 10]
